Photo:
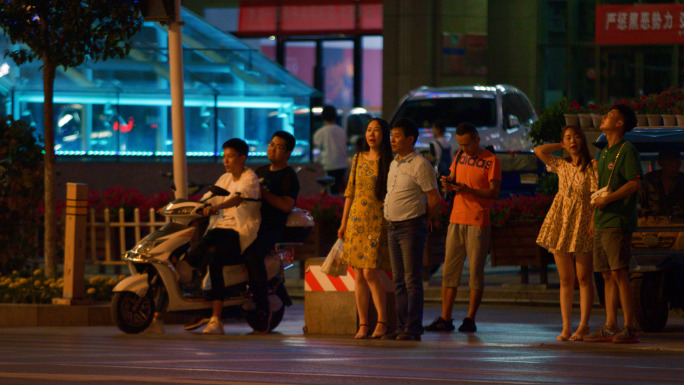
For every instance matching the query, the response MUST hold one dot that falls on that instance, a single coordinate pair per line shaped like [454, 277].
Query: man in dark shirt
[279, 189]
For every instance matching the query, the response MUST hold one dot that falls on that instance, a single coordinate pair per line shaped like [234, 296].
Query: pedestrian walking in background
[475, 179]
[440, 149]
[331, 140]
[615, 218]
[565, 229]
[363, 228]
[411, 201]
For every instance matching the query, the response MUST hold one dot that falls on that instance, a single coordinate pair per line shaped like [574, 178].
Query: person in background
[440, 149]
[662, 191]
[331, 140]
[564, 231]
[475, 179]
[363, 228]
[615, 218]
[412, 200]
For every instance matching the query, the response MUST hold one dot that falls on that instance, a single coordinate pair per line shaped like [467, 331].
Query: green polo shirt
[621, 213]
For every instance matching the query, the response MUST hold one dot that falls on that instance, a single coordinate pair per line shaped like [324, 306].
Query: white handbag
[333, 265]
[606, 190]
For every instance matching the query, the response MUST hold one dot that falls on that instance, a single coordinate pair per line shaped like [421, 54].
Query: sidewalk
[502, 286]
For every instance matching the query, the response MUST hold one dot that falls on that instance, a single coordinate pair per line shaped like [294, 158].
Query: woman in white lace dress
[565, 231]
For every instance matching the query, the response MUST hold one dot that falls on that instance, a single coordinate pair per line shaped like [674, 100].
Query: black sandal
[363, 336]
[376, 336]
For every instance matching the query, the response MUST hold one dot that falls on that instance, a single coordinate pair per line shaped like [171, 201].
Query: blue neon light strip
[152, 153]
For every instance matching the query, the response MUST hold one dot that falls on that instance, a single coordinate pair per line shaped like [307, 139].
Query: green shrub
[39, 289]
[21, 192]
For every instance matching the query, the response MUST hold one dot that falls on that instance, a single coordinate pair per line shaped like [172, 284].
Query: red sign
[259, 18]
[315, 17]
[306, 17]
[640, 24]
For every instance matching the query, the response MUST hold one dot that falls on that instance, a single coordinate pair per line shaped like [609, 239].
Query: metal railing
[108, 238]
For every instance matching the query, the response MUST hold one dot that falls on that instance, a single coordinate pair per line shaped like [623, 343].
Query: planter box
[515, 245]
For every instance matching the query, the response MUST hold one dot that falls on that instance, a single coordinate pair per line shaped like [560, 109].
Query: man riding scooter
[236, 228]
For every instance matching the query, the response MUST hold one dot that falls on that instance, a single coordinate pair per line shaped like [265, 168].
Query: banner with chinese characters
[640, 24]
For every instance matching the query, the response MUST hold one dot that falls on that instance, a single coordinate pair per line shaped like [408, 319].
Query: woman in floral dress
[363, 228]
[565, 231]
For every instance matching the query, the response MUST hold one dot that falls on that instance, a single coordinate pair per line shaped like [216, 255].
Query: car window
[480, 112]
[514, 104]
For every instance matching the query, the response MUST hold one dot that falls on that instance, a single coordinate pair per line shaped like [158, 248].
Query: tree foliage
[21, 189]
[65, 33]
[548, 128]
[69, 32]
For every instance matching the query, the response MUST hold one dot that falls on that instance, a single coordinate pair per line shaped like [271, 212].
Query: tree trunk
[50, 240]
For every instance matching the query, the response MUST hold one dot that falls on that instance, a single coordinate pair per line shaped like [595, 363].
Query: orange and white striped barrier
[316, 280]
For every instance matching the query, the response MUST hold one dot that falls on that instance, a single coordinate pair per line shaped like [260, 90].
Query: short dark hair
[408, 126]
[440, 125]
[289, 139]
[466, 128]
[329, 113]
[629, 119]
[236, 144]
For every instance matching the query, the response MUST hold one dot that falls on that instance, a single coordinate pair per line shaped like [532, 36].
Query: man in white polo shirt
[411, 201]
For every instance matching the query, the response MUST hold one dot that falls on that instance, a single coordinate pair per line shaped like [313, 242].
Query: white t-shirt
[331, 139]
[245, 218]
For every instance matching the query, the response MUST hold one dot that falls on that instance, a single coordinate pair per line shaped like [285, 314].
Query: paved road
[514, 345]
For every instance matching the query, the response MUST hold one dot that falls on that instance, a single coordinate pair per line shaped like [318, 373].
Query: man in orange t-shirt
[476, 180]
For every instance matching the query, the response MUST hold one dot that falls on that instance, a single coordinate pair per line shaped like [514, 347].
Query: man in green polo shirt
[615, 218]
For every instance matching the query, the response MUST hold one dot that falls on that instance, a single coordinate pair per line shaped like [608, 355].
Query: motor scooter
[156, 282]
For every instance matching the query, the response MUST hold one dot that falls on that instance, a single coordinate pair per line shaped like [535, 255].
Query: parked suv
[501, 113]
[657, 266]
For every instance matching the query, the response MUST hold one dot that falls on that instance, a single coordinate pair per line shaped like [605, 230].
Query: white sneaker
[215, 326]
[156, 327]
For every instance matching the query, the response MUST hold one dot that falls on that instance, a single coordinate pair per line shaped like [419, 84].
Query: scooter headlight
[145, 247]
[180, 211]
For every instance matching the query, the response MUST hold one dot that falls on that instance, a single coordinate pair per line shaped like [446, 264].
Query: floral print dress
[566, 226]
[365, 239]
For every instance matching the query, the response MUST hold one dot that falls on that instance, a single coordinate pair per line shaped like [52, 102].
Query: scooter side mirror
[218, 191]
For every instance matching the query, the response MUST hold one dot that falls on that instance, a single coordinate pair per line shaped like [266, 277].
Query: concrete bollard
[74, 246]
[330, 305]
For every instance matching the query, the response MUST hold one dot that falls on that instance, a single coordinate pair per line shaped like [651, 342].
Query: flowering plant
[322, 206]
[519, 208]
[441, 219]
[37, 288]
[576, 107]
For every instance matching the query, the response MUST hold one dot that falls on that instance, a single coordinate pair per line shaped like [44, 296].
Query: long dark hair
[385, 157]
[585, 158]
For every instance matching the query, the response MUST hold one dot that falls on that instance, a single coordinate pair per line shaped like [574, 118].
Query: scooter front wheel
[132, 313]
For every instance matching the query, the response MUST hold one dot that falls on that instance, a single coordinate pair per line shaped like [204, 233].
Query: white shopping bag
[333, 262]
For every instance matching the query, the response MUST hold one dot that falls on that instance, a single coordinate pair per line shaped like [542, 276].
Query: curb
[44, 315]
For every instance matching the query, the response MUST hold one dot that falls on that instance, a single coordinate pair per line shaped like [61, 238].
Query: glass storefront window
[372, 72]
[338, 63]
[300, 59]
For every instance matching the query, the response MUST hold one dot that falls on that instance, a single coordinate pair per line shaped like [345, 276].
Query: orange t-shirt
[474, 172]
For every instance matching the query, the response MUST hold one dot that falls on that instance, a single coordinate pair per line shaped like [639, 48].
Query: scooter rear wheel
[131, 313]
